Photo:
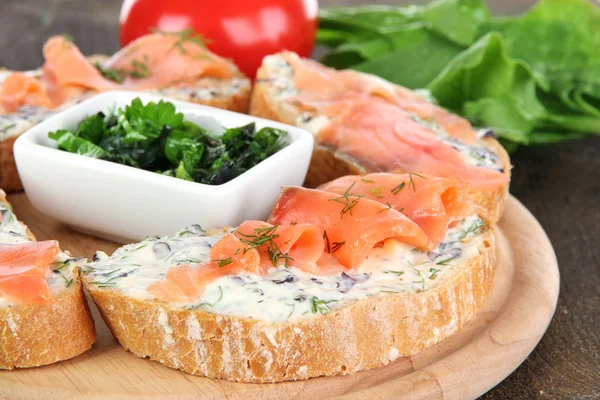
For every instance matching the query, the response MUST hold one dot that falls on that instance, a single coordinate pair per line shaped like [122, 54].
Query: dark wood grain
[560, 184]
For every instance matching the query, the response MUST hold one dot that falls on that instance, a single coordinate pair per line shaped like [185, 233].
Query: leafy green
[93, 128]
[73, 144]
[414, 42]
[491, 89]
[534, 78]
[157, 138]
[457, 20]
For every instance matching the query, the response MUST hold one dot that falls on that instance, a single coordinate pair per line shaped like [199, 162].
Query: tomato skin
[243, 30]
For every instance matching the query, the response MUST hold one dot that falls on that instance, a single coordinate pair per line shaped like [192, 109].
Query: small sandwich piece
[364, 124]
[44, 317]
[173, 65]
[333, 283]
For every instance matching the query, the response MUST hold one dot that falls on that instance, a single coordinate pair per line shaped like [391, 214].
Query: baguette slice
[274, 86]
[229, 94]
[38, 334]
[267, 346]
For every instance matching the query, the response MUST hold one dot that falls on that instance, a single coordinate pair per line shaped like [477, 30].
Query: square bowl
[124, 204]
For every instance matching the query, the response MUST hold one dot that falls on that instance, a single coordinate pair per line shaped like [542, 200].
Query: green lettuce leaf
[400, 65]
[459, 21]
[559, 39]
[534, 78]
[491, 89]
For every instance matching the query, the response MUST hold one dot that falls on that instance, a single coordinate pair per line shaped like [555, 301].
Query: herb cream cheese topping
[286, 293]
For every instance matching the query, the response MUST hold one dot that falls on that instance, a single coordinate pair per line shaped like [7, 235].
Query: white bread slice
[222, 343]
[38, 334]
[229, 94]
[274, 84]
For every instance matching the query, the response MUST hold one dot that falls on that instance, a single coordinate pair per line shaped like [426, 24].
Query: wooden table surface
[560, 184]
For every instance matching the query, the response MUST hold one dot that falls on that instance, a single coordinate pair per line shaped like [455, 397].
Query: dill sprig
[397, 273]
[188, 35]
[398, 189]
[266, 237]
[68, 282]
[433, 273]
[412, 182]
[115, 75]
[7, 127]
[389, 207]
[472, 229]
[223, 262]
[326, 238]
[376, 191]
[336, 246]
[68, 40]
[206, 303]
[349, 200]
[446, 261]
[141, 69]
[320, 306]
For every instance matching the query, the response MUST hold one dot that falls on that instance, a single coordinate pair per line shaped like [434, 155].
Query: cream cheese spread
[286, 293]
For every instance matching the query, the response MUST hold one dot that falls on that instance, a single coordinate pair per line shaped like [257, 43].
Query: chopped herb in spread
[155, 137]
[68, 282]
[320, 306]
[280, 293]
[446, 261]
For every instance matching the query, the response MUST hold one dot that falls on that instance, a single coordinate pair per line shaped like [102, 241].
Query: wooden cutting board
[464, 366]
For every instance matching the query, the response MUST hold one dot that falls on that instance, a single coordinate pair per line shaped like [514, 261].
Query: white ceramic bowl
[125, 204]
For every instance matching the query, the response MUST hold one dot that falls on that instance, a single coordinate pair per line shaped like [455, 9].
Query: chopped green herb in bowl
[155, 137]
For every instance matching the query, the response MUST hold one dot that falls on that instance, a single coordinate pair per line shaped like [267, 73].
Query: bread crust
[328, 164]
[32, 335]
[9, 177]
[364, 335]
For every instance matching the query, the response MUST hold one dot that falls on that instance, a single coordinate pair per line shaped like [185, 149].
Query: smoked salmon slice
[322, 88]
[23, 269]
[19, 88]
[152, 61]
[431, 202]
[387, 139]
[170, 60]
[185, 283]
[254, 247]
[352, 224]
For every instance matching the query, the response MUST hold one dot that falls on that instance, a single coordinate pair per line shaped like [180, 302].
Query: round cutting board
[464, 366]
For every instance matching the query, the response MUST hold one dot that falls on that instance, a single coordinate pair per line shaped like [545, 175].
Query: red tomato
[243, 30]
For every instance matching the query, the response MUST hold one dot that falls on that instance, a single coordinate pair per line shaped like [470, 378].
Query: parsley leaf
[155, 137]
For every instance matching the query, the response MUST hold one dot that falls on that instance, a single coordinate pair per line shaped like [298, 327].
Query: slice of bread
[40, 334]
[273, 88]
[240, 329]
[229, 94]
